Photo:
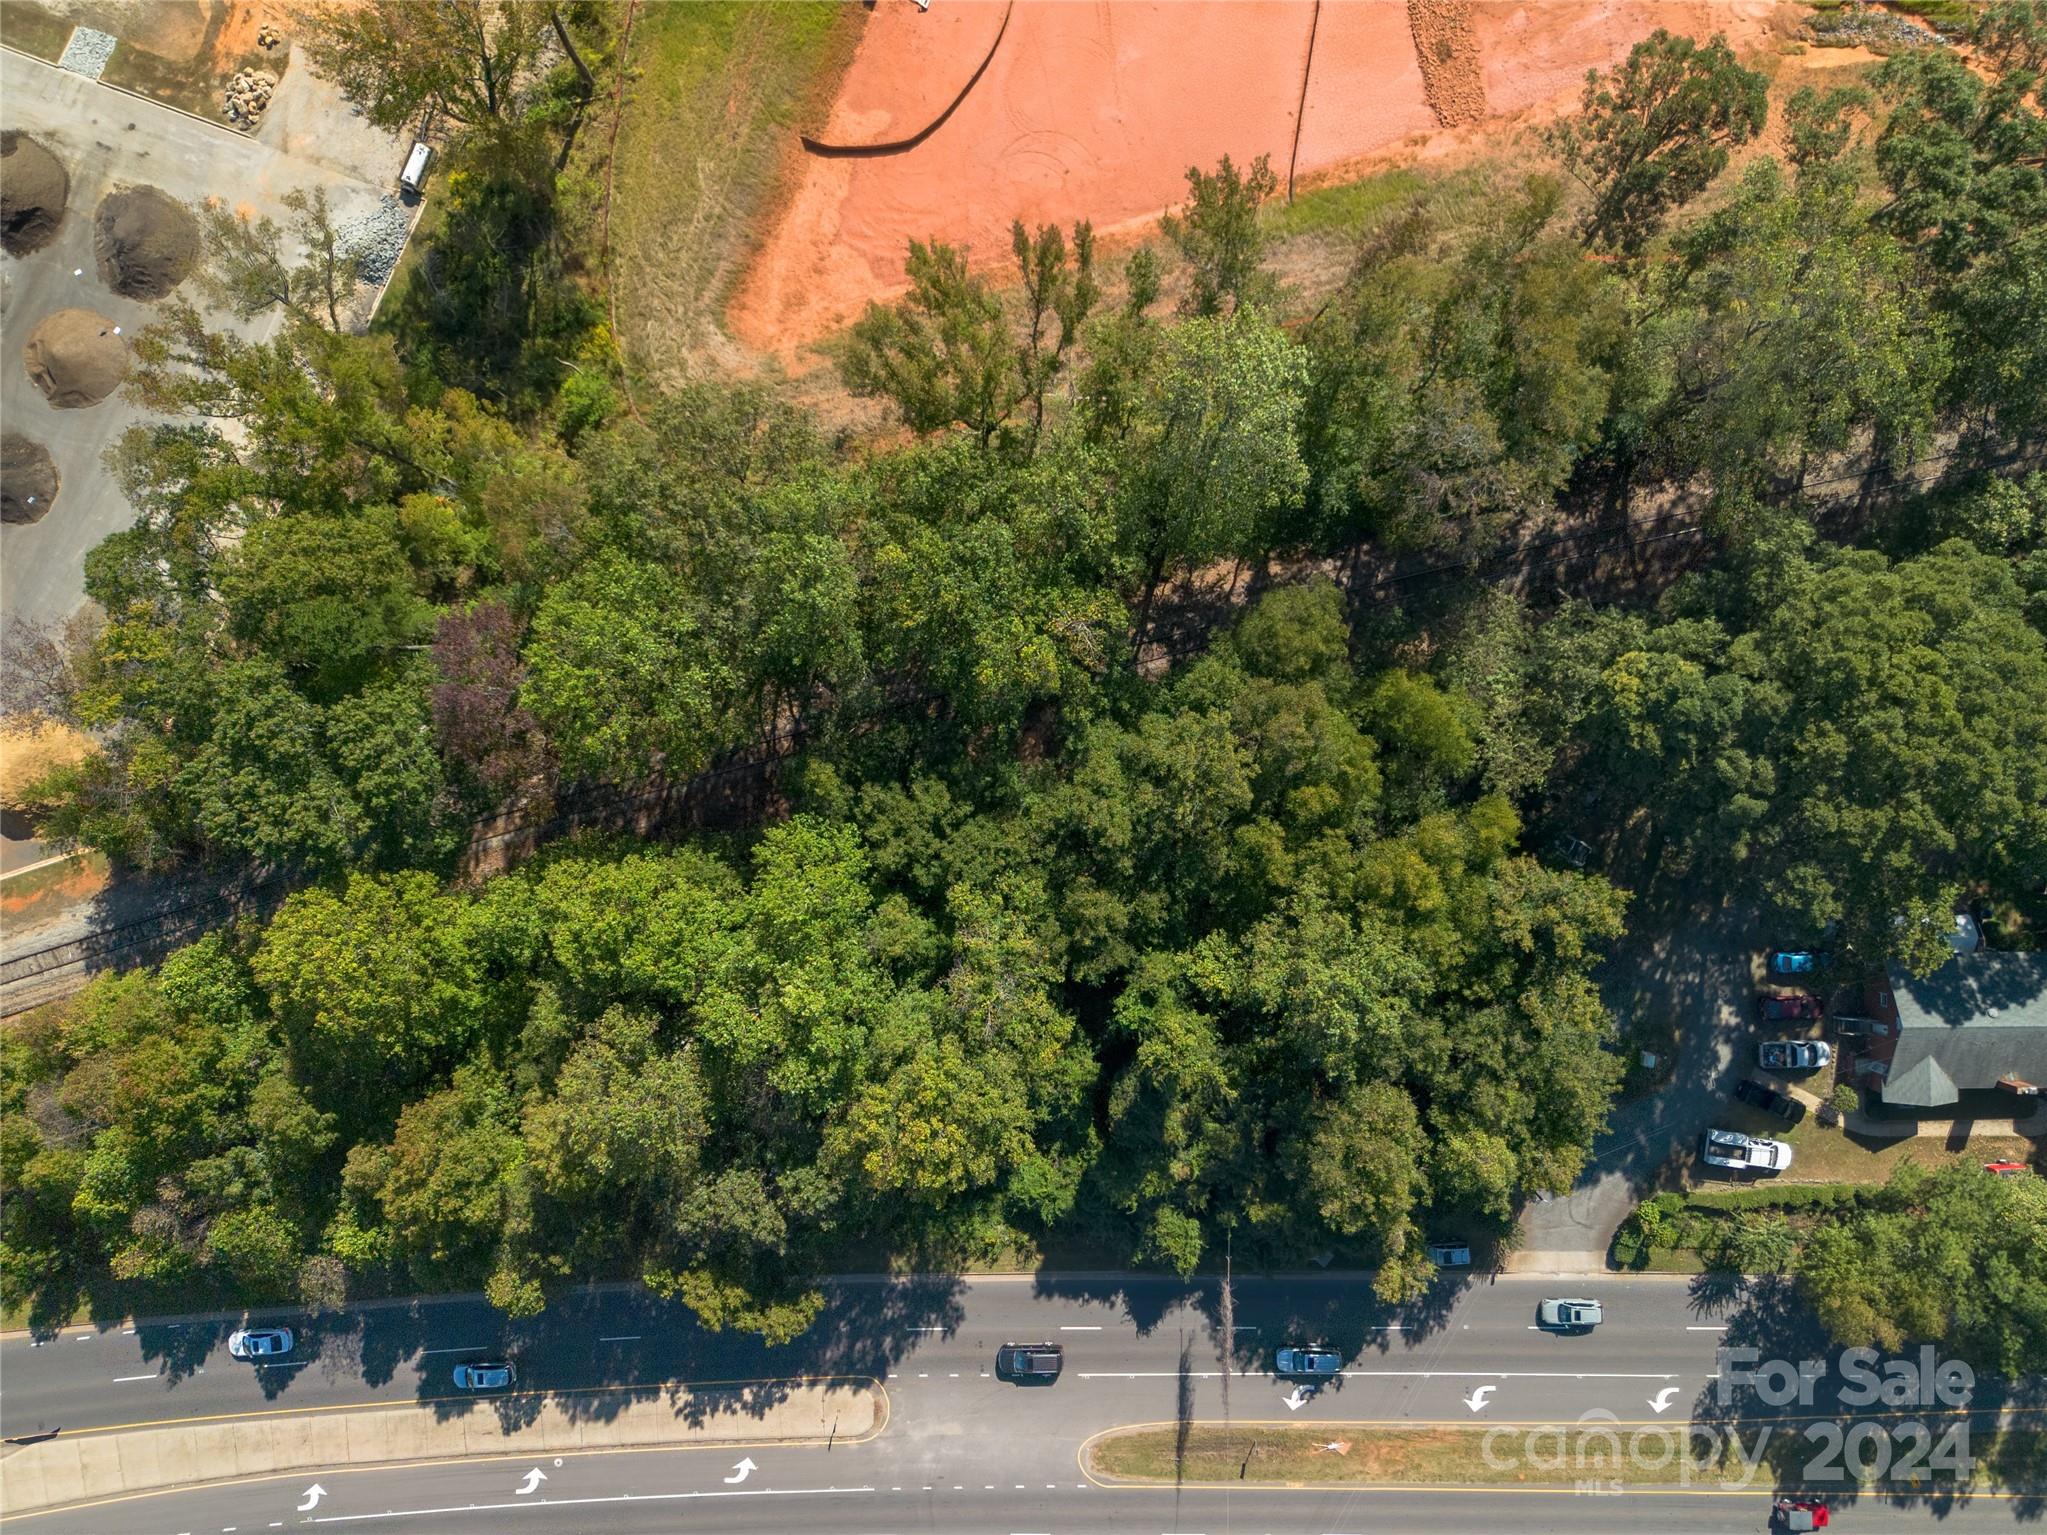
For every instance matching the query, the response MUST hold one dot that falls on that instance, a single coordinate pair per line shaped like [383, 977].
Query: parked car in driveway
[1032, 1363]
[1796, 961]
[1450, 1253]
[1793, 1054]
[1569, 1315]
[259, 1342]
[1744, 1153]
[1760, 1095]
[485, 1375]
[1788, 1006]
[1306, 1363]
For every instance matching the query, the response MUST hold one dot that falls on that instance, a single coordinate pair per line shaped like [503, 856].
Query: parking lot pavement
[108, 139]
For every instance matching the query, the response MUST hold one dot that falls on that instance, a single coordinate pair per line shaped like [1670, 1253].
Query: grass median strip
[1569, 1454]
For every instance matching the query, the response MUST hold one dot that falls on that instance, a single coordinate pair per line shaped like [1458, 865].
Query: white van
[413, 178]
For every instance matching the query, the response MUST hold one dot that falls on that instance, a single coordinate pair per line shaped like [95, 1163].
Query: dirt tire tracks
[830, 151]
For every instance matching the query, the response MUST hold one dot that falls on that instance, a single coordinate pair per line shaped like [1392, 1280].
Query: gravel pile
[376, 237]
[1453, 78]
[87, 52]
[1861, 26]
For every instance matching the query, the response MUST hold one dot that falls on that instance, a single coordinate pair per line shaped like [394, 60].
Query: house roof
[1977, 1018]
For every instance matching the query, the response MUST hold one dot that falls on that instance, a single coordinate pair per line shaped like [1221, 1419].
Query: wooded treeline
[1045, 951]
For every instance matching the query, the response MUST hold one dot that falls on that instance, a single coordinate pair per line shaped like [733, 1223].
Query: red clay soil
[1096, 110]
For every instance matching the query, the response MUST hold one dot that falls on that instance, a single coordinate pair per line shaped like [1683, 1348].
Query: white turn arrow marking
[1298, 1399]
[1479, 1397]
[1661, 1400]
[743, 1470]
[314, 1494]
[533, 1479]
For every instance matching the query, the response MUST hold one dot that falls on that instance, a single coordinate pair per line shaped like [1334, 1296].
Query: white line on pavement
[622, 1497]
[470, 1348]
[621, 1337]
[122, 1380]
[1414, 1374]
[1096, 1328]
[1721, 1328]
[282, 1364]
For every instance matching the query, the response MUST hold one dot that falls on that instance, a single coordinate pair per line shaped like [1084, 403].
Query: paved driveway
[1702, 976]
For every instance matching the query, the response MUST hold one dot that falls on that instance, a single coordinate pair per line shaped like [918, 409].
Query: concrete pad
[22, 1481]
[143, 1463]
[317, 1441]
[99, 1466]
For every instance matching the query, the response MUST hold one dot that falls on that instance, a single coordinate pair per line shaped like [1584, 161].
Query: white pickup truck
[1752, 1153]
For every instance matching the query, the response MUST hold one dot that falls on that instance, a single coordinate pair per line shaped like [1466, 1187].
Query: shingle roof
[1977, 1018]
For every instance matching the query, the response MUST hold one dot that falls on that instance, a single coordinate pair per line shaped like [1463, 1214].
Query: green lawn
[705, 154]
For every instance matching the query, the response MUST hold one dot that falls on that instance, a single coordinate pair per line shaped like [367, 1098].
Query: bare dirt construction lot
[179, 52]
[953, 121]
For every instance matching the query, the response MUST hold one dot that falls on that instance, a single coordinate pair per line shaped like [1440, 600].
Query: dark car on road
[1302, 1361]
[1788, 1007]
[1760, 1095]
[1035, 1364]
[485, 1375]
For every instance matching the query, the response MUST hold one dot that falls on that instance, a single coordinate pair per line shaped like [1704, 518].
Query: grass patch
[27, 26]
[1342, 206]
[705, 155]
[1375, 1454]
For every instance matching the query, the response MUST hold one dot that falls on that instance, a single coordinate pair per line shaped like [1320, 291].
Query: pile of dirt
[33, 187]
[28, 480]
[76, 358]
[1447, 51]
[147, 242]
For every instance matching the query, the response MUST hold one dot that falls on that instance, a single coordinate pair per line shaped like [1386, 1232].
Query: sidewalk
[89, 1466]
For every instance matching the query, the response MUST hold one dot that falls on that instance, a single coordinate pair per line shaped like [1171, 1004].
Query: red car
[1788, 1006]
[1799, 1514]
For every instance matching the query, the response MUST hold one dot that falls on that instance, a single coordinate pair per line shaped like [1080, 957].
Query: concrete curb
[102, 1467]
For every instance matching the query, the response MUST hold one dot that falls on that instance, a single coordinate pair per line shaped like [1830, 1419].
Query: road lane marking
[282, 1364]
[622, 1497]
[122, 1380]
[471, 1348]
[623, 1337]
[927, 1329]
[1397, 1374]
[1721, 1328]
[1095, 1328]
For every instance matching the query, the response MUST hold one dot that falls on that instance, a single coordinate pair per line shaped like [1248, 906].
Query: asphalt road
[963, 1450]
